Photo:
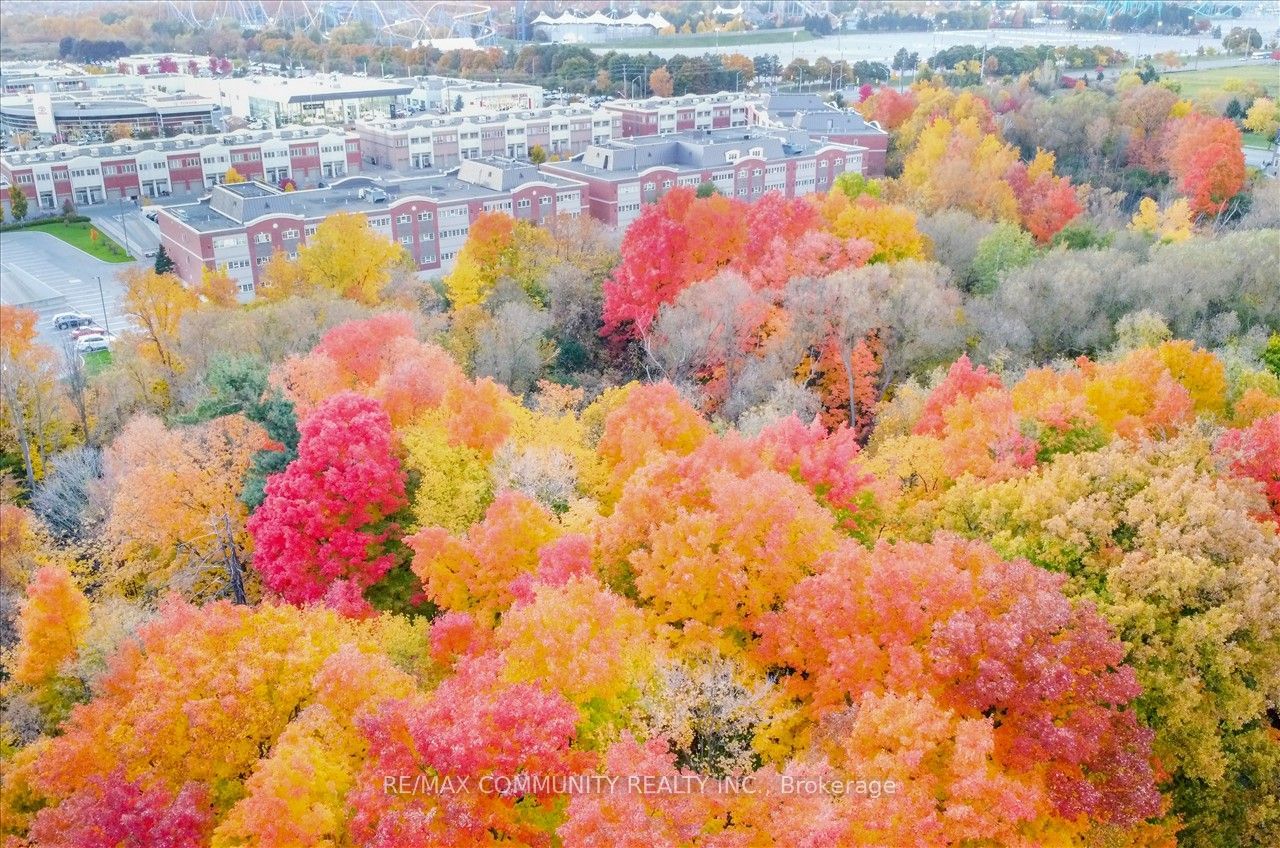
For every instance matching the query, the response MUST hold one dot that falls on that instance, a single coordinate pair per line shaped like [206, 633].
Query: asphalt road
[71, 275]
[1266, 160]
[125, 222]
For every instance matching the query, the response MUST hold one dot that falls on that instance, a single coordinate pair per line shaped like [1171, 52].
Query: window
[262, 260]
[731, 156]
[523, 204]
[428, 237]
[403, 219]
[406, 240]
[310, 229]
[545, 200]
[384, 221]
[263, 238]
[424, 216]
[757, 172]
[666, 183]
[289, 234]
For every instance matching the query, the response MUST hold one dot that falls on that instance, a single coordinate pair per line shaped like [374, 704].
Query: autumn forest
[958, 489]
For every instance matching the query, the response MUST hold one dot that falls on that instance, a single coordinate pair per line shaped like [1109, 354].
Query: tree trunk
[231, 558]
[846, 359]
[20, 424]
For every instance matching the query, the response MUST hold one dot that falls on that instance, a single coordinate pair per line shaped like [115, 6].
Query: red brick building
[625, 174]
[663, 115]
[240, 226]
[822, 121]
[89, 174]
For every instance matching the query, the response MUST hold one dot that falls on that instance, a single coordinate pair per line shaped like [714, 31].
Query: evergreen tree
[164, 264]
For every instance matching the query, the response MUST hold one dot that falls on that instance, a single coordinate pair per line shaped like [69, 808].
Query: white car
[70, 320]
[92, 342]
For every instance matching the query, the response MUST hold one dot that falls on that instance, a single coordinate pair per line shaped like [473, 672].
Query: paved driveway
[35, 264]
[126, 222]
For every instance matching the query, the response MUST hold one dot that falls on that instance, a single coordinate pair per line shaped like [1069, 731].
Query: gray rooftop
[230, 207]
[621, 158]
[812, 114]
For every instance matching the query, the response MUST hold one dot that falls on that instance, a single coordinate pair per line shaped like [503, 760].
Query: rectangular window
[523, 204]
[289, 234]
[545, 200]
[263, 238]
[424, 216]
[403, 219]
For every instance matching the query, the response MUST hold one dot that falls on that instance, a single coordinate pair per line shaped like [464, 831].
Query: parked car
[91, 343]
[70, 320]
[153, 216]
[87, 330]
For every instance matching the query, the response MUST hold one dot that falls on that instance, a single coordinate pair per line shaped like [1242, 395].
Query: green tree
[163, 263]
[17, 202]
[855, 185]
[238, 384]
[1006, 247]
[1271, 356]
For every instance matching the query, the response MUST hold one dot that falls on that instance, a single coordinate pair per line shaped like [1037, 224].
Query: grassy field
[707, 39]
[1256, 140]
[96, 361]
[1194, 82]
[77, 235]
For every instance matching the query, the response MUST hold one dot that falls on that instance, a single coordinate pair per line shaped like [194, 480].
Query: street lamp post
[124, 228]
[102, 298]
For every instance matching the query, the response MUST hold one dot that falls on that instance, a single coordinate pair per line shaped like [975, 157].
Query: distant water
[881, 46]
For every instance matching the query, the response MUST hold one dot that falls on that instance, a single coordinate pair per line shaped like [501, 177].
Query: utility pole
[123, 226]
[106, 322]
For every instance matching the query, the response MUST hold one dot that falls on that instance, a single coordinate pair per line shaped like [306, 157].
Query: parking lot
[34, 264]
